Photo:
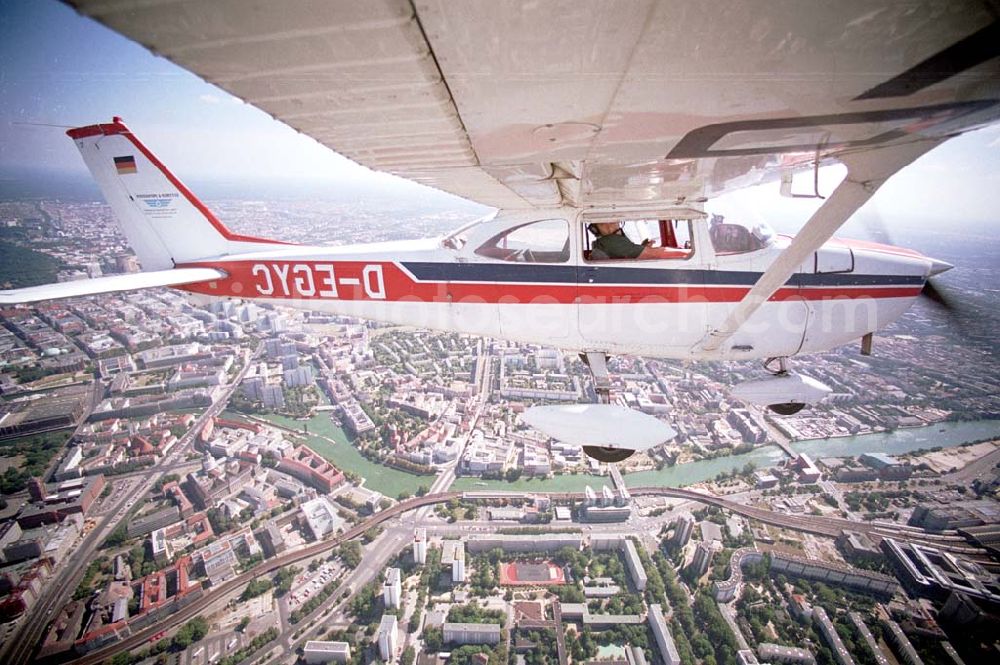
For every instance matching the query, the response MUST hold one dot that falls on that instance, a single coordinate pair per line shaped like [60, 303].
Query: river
[896, 442]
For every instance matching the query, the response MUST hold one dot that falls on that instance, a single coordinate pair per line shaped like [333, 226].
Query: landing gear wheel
[786, 408]
[608, 455]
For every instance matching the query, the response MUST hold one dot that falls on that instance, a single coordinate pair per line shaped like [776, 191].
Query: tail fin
[164, 222]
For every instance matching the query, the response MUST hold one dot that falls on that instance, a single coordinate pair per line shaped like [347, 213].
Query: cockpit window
[728, 238]
[457, 238]
[643, 239]
[546, 241]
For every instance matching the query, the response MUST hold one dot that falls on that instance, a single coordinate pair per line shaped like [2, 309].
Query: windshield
[457, 238]
[544, 241]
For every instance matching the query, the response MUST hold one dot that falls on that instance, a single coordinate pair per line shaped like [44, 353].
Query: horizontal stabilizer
[109, 284]
[603, 425]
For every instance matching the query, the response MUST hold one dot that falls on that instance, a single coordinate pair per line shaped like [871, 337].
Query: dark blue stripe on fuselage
[565, 274]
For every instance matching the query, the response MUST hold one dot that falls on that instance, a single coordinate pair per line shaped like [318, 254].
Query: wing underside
[588, 102]
[110, 284]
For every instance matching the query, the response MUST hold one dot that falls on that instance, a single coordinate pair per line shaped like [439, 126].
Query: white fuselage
[657, 308]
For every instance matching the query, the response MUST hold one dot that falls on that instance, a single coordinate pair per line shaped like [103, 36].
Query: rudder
[164, 222]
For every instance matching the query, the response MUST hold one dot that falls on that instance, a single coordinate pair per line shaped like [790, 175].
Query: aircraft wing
[109, 284]
[589, 102]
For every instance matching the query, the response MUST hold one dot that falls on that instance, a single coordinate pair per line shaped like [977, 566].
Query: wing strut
[866, 172]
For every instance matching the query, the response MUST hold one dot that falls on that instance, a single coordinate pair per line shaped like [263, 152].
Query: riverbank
[897, 442]
[332, 443]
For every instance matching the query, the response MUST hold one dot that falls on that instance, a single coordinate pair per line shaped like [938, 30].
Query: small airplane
[635, 139]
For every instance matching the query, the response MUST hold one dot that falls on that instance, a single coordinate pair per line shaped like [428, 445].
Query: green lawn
[346, 457]
[564, 483]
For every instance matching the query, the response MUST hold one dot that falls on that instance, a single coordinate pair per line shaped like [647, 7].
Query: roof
[473, 627]
[327, 647]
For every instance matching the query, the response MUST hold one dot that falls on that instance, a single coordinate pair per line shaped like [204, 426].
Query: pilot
[612, 243]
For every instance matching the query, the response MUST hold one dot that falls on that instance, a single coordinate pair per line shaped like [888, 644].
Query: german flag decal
[125, 165]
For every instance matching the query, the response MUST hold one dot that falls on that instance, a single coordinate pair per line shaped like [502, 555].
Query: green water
[388, 481]
[894, 443]
[393, 481]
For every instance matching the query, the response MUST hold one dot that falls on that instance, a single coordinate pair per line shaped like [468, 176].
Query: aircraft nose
[938, 267]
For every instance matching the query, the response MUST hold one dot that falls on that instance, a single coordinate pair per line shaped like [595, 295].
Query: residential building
[549, 542]
[833, 573]
[664, 640]
[702, 559]
[272, 396]
[635, 568]
[683, 527]
[472, 633]
[901, 644]
[317, 652]
[777, 653]
[829, 633]
[453, 554]
[420, 545]
[386, 637]
[866, 636]
[392, 589]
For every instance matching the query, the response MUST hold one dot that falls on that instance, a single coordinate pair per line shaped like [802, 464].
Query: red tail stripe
[118, 127]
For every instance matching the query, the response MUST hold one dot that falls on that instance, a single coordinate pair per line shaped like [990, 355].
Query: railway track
[819, 525]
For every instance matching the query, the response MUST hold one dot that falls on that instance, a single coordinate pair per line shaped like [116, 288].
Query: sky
[59, 68]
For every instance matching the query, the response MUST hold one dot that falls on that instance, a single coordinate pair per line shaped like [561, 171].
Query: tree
[284, 579]
[199, 627]
[256, 587]
[122, 658]
[409, 655]
[433, 639]
[350, 553]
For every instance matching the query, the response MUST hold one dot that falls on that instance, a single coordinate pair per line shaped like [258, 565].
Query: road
[826, 526]
[386, 546]
[68, 574]
[69, 578]
[823, 525]
[265, 568]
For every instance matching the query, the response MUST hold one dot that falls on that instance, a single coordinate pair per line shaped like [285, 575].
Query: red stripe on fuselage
[385, 281]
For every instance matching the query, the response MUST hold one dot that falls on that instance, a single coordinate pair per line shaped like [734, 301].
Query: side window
[546, 241]
[660, 239]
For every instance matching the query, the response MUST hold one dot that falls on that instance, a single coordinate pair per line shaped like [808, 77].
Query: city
[220, 482]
